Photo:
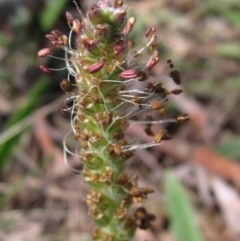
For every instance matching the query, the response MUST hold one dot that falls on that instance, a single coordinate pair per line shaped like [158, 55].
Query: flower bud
[94, 14]
[102, 30]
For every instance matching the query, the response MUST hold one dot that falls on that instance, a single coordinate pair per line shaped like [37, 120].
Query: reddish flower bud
[102, 30]
[118, 49]
[94, 68]
[45, 70]
[95, 14]
[44, 52]
[119, 16]
[129, 74]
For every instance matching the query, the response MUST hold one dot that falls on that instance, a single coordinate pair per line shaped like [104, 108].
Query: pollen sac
[170, 63]
[161, 135]
[129, 74]
[174, 74]
[66, 86]
[176, 91]
[44, 52]
[117, 149]
[153, 61]
[150, 31]
[118, 3]
[182, 118]
[76, 26]
[94, 68]
[69, 17]
[45, 70]
[143, 219]
[118, 49]
[130, 23]
[141, 76]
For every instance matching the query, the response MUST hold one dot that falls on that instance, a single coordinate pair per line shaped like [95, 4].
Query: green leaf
[181, 212]
[233, 16]
[229, 50]
[7, 148]
[51, 13]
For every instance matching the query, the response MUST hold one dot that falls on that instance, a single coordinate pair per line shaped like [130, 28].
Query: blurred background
[196, 175]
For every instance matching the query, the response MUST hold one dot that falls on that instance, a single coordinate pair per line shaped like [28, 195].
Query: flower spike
[114, 88]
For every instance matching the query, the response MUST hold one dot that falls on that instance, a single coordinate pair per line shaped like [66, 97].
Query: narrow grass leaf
[183, 223]
[51, 13]
[7, 148]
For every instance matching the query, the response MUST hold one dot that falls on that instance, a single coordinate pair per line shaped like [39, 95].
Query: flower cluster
[113, 89]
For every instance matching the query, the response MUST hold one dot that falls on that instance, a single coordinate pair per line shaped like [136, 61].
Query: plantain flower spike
[113, 90]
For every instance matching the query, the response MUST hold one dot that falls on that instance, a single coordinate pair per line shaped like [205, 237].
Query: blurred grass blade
[6, 149]
[180, 211]
[51, 13]
[229, 50]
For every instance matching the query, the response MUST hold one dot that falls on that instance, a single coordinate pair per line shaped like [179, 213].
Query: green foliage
[7, 148]
[51, 13]
[180, 211]
[229, 50]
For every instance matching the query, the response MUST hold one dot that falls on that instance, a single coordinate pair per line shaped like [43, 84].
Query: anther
[44, 52]
[176, 91]
[174, 74]
[117, 149]
[170, 63]
[153, 61]
[45, 70]
[76, 26]
[161, 135]
[66, 86]
[182, 118]
[69, 17]
[130, 23]
[94, 68]
[141, 76]
[137, 101]
[149, 32]
[118, 3]
[128, 74]
[118, 49]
